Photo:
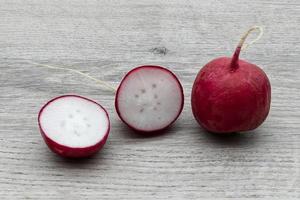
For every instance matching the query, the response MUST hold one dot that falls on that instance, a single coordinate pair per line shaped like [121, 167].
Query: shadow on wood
[77, 163]
[240, 139]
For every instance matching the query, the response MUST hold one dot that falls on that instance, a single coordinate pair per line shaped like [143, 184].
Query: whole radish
[74, 126]
[230, 94]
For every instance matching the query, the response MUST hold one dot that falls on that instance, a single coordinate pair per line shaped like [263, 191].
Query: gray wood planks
[108, 38]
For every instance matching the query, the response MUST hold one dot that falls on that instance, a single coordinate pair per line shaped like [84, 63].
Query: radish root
[100, 82]
[244, 45]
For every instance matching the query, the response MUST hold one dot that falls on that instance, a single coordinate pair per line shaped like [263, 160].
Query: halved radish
[149, 98]
[74, 126]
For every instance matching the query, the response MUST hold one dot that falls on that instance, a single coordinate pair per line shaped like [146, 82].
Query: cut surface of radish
[149, 98]
[73, 125]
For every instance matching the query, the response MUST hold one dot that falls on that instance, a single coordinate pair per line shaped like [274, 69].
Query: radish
[231, 95]
[149, 98]
[74, 126]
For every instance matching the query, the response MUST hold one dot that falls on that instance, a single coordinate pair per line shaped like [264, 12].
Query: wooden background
[108, 38]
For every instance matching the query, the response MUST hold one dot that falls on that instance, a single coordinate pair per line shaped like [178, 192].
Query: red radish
[74, 126]
[149, 98]
[231, 95]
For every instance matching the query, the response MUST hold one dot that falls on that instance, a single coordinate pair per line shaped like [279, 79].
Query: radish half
[149, 98]
[74, 126]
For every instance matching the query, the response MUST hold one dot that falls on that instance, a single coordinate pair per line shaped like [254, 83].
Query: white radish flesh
[74, 122]
[149, 98]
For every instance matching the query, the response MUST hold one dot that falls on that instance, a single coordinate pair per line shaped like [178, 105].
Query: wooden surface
[108, 38]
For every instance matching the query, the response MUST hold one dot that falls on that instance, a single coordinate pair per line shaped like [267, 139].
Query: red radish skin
[171, 87]
[231, 95]
[70, 151]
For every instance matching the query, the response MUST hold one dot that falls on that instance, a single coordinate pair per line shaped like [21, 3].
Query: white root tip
[100, 82]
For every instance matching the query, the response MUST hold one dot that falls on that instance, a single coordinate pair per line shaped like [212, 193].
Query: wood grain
[108, 38]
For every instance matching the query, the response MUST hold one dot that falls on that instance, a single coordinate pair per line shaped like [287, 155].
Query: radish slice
[149, 98]
[74, 126]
